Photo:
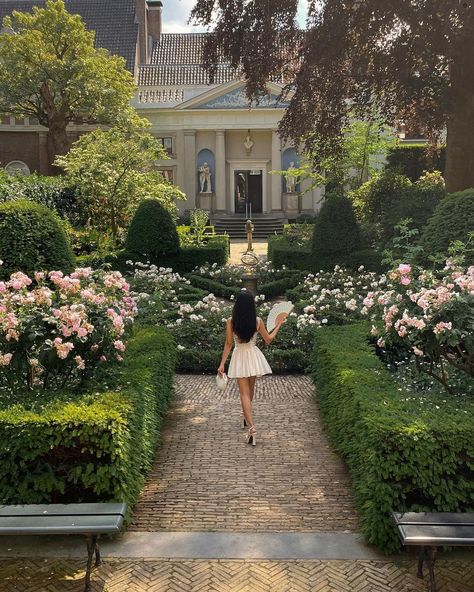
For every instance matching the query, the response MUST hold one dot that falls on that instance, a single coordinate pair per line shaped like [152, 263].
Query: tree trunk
[459, 172]
[59, 142]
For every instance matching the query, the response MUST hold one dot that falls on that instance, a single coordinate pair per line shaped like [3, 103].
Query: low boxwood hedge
[195, 361]
[188, 258]
[213, 286]
[403, 453]
[290, 280]
[95, 447]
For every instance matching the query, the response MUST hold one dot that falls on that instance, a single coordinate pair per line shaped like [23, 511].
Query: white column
[190, 173]
[275, 180]
[220, 180]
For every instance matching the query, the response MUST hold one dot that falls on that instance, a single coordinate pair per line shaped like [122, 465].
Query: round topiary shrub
[152, 233]
[452, 219]
[32, 238]
[336, 232]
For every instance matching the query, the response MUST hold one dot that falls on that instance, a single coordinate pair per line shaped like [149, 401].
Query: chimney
[154, 18]
[140, 17]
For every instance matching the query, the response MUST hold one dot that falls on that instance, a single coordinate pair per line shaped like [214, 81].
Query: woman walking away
[247, 360]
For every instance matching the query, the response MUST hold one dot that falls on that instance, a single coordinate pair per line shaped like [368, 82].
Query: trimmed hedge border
[400, 458]
[271, 289]
[212, 286]
[195, 361]
[187, 259]
[97, 447]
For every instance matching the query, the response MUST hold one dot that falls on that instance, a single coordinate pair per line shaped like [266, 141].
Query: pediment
[232, 96]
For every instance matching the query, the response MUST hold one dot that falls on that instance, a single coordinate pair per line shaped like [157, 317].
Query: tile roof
[112, 20]
[177, 59]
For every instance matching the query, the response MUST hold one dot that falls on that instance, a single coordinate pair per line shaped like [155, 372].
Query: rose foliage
[431, 314]
[55, 328]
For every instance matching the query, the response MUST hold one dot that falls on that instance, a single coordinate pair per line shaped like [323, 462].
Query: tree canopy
[114, 170]
[50, 70]
[411, 60]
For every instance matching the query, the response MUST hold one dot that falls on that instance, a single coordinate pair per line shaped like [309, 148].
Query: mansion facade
[222, 152]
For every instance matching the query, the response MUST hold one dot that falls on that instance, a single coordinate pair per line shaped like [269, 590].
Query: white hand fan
[278, 309]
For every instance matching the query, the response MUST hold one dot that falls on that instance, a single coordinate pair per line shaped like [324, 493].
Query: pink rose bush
[56, 328]
[432, 314]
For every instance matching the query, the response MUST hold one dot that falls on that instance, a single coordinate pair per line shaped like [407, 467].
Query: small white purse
[221, 381]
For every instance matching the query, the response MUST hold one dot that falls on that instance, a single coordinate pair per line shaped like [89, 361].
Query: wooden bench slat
[105, 509]
[437, 535]
[47, 524]
[434, 518]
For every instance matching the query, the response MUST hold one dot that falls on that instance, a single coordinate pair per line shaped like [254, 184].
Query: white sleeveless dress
[247, 359]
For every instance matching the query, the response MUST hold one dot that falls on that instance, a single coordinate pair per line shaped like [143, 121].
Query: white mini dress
[247, 359]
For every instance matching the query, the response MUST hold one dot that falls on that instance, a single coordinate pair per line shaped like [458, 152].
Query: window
[167, 144]
[17, 167]
[168, 174]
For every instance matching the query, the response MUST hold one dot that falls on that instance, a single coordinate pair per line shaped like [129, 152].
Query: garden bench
[430, 530]
[90, 520]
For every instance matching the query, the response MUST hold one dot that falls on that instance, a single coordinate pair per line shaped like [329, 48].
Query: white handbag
[221, 381]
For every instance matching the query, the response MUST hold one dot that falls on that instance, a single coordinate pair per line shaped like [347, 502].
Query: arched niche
[289, 156]
[206, 156]
[17, 167]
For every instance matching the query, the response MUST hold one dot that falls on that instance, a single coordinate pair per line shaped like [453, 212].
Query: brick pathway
[232, 576]
[206, 478]
[237, 247]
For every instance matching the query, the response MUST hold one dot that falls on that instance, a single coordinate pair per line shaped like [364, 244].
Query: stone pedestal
[205, 201]
[291, 203]
[249, 282]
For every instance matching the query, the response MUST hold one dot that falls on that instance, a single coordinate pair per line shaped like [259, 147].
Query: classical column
[275, 180]
[220, 180]
[190, 172]
[43, 153]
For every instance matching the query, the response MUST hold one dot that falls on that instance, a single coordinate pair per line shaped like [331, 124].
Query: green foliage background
[404, 454]
[96, 447]
[32, 238]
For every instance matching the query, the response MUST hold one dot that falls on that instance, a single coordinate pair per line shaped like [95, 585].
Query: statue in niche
[249, 143]
[205, 178]
[291, 178]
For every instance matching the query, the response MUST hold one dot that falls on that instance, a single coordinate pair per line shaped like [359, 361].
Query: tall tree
[413, 59]
[115, 171]
[50, 70]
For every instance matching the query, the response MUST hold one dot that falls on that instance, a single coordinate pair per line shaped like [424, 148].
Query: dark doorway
[248, 192]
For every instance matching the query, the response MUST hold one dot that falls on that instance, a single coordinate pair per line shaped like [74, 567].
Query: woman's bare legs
[246, 399]
[252, 381]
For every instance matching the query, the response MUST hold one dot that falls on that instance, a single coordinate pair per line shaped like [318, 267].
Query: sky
[176, 15]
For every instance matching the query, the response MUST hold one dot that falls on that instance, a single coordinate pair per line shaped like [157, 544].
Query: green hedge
[97, 447]
[413, 159]
[32, 238]
[195, 361]
[216, 251]
[280, 286]
[213, 287]
[403, 454]
[290, 256]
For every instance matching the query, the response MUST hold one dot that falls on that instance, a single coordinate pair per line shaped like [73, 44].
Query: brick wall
[22, 146]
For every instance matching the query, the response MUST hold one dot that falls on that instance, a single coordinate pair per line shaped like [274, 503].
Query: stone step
[235, 227]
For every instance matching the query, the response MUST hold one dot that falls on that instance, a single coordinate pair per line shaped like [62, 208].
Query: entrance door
[248, 191]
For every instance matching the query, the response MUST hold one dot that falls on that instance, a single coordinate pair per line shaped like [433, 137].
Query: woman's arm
[269, 337]
[227, 347]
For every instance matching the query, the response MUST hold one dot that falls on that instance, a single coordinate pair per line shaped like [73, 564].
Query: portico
[221, 152]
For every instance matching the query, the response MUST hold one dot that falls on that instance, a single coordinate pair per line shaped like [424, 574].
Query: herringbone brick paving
[232, 576]
[206, 478]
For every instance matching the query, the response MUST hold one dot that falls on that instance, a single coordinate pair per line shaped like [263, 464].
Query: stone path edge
[200, 545]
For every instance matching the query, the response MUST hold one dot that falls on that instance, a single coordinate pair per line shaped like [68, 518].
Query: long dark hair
[244, 316]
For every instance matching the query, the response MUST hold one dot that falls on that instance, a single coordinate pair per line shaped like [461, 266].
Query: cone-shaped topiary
[452, 219]
[336, 232]
[32, 238]
[152, 232]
